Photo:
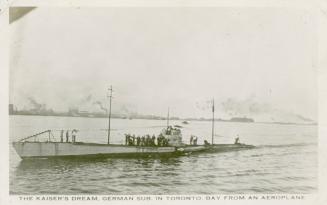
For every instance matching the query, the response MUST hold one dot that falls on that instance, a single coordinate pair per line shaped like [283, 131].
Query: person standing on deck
[74, 135]
[126, 139]
[195, 140]
[130, 141]
[191, 140]
[133, 139]
[237, 140]
[148, 140]
[138, 141]
[166, 141]
[153, 140]
[206, 142]
[159, 140]
[67, 136]
[62, 136]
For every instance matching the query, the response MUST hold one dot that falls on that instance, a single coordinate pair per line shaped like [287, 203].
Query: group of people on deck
[73, 136]
[147, 140]
[170, 130]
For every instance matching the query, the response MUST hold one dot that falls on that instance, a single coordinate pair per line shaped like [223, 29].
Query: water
[285, 160]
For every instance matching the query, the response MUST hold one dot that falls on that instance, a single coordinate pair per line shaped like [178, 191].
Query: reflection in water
[62, 163]
[85, 175]
[40, 164]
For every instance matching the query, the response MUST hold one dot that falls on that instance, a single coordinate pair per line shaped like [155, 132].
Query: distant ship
[173, 136]
[241, 119]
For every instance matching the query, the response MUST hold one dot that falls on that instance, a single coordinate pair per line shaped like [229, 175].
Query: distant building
[11, 109]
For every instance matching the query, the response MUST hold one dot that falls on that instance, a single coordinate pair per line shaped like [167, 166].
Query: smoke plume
[260, 111]
[35, 104]
[88, 98]
[250, 107]
[236, 107]
[101, 106]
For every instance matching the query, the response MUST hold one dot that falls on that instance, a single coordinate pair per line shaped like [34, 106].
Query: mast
[109, 115]
[213, 121]
[168, 118]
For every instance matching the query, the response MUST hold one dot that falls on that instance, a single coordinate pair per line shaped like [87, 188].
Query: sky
[254, 62]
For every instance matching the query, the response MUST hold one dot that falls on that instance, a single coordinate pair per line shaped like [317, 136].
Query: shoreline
[176, 119]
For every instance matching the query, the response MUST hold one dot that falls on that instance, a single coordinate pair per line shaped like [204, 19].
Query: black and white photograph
[162, 101]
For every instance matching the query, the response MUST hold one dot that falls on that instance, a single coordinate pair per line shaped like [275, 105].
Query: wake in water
[287, 145]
